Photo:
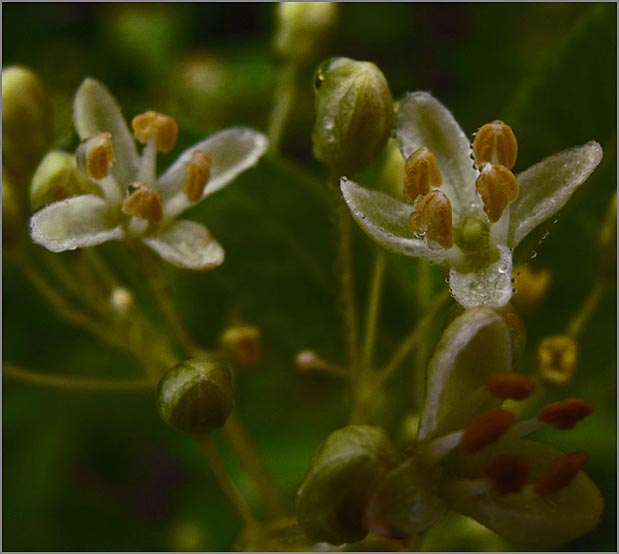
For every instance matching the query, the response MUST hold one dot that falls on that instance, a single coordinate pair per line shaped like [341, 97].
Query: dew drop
[533, 254]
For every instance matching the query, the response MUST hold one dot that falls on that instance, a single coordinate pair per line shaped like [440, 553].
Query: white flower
[134, 203]
[455, 226]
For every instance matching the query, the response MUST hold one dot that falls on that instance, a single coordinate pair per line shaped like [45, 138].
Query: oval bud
[26, 119]
[354, 114]
[196, 396]
[57, 178]
[339, 482]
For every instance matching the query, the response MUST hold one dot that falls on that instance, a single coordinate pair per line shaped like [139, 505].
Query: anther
[495, 143]
[198, 175]
[143, 202]
[497, 187]
[153, 124]
[486, 429]
[565, 414]
[96, 155]
[421, 172]
[560, 473]
[510, 385]
[557, 356]
[432, 216]
[507, 473]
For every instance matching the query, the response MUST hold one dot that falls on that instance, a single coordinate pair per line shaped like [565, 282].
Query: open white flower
[133, 201]
[481, 212]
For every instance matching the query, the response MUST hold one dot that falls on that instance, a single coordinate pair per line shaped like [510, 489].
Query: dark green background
[101, 472]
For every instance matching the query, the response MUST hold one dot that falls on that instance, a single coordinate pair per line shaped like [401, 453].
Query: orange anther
[495, 143]
[96, 156]
[153, 124]
[565, 414]
[143, 202]
[421, 173]
[497, 187]
[432, 216]
[510, 385]
[486, 429]
[507, 473]
[198, 175]
[560, 473]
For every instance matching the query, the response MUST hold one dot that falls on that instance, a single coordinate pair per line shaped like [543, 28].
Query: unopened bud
[421, 173]
[304, 29]
[26, 120]
[433, 218]
[58, 177]
[495, 143]
[556, 359]
[530, 287]
[354, 114]
[497, 187]
[242, 346]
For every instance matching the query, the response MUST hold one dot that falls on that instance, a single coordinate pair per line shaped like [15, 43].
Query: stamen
[198, 175]
[486, 429]
[556, 358]
[143, 202]
[498, 187]
[96, 155]
[153, 124]
[495, 143]
[507, 473]
[421, 173]
[560, 473]
[432, 216]
[510, 385]
[565, 414]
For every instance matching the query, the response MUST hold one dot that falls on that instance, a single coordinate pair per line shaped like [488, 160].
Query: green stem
[284, 99]
[64, 382]
[213, 460]
[373, 309]
[587, 309]
[241, 443]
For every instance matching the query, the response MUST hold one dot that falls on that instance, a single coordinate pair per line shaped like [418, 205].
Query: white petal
[385, 220]
[95, 111]
[424, 121]
[475, 345]
[77, 222]
[232, 151]
[188, 245]
[489, 286]
[547, 186]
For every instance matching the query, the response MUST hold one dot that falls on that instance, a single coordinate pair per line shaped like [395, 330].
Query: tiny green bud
[354, 114]
[304, 28]
[57, 178]
[195, 396]
[339, 482]
[26, 119]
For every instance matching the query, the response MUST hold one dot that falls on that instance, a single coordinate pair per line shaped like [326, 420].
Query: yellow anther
[495, 143]
[556, 359]
[530, 287]
[153, 124]
[421, 173]
[143, 202]
[198, 175]
[96, 155]
[498, 187]
[432, 217]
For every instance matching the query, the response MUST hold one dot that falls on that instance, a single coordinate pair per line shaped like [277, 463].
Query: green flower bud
[57, 178]
[26, 120]
[196, 396]
[303, 29]
[339, 482]
[354, 114]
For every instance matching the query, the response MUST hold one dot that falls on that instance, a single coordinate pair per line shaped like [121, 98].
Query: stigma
[158, 127]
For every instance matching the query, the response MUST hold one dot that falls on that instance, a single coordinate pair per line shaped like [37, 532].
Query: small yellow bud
[153, 124]
[495, 143]
[432, 217]
[556, 359]
[143, 202]
[242, 346]
[530, 287]
[498, 187]
[95, 156]
[421, 173]
[198, 175]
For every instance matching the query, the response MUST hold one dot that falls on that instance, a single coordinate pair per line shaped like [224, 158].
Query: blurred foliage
[94, 471]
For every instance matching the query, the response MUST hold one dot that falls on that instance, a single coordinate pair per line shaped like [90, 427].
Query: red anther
[510, 385]
[565, 414]
[507, 473]
[560, 473]
[486, 429]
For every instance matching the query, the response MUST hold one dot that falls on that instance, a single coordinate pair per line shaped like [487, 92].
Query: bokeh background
[93, 471]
